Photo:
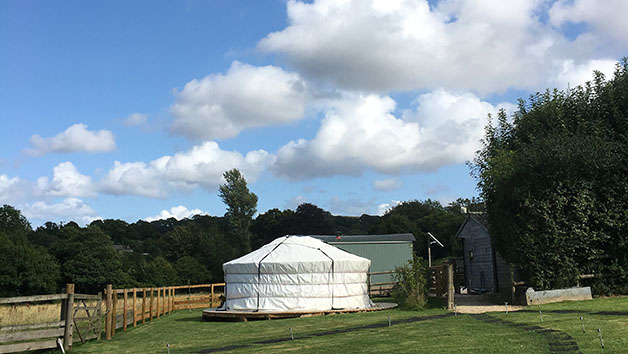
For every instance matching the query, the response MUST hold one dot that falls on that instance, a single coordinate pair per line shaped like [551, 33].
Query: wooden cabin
[484, 267]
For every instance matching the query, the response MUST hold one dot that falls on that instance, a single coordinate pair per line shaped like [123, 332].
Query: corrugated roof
[396, 238]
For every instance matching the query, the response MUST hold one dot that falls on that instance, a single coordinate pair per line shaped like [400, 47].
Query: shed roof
[480, 218]
[387, 238]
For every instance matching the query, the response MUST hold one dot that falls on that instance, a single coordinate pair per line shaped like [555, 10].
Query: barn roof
[387, 238]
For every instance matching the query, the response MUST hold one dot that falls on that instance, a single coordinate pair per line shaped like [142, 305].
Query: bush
[411, 288]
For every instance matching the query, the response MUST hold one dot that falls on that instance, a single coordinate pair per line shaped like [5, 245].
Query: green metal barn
[385, 252]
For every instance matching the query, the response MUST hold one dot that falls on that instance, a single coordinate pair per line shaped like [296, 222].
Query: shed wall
[384, 256]
[479, 269]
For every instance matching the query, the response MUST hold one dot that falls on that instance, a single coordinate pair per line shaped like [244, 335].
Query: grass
[186, 332]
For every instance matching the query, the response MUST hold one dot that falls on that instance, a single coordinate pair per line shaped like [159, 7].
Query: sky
[134, 109]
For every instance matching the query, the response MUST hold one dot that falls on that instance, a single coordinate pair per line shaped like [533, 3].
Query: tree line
[191, 250]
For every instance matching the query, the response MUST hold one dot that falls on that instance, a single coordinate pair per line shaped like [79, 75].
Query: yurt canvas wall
[296, 273]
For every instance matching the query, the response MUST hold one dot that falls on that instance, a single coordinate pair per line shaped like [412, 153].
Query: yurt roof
[297, 254]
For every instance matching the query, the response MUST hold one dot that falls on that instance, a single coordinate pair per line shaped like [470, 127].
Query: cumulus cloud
[177, 212]
[361, 132]
[74, 139]
[66, 182]
[135, 119]
[221, 106]
[479, 46]
[386, 185]
[607, 19]
[571, 74]
[202, 165]
[9, 188]
[70, 209]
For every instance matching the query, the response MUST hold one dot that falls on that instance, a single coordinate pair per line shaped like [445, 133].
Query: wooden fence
[46, 335]
[128, 307]
[379, 289]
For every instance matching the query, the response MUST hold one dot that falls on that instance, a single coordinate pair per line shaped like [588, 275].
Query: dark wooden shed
[485, 269]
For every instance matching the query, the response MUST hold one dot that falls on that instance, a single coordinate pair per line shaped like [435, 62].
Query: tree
[88, 259]
[241, 206]
[554, 182]
[25, 268]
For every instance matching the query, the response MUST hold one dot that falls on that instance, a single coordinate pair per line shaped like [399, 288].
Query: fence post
[166, 300]
[211, 296]
[151, 304]
[134, 304]
[124, 319]
[158, 296]
[114, 310]
[171, 298]
[174, 297]
[143, 305]
[108, 291]
[69, 308]
[450, 286]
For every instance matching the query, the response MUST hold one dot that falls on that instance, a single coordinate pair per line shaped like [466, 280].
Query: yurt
[296, 273]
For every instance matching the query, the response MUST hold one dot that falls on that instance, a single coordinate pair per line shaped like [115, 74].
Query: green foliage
[26, 269]
[88, 259]
[241, 206]
[555, 185]
[411, 290]
[191, 271]
[420, 217]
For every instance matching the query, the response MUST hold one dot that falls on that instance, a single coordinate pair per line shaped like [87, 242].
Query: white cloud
[608, 18]
[203, 165]
[360, 132]
[482, 46]
[385, 207]
[75, 138]
[9, 188]
[70, 209]
[350, 207]
[573, 74]
[135, 119]
[386, 185]
[177, 212]
[66, 182]
[221, 106]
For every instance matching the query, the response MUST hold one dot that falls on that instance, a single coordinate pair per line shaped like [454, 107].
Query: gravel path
[480, 304]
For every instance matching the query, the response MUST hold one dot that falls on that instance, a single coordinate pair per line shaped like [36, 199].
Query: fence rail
[43, 335]
[128, 307]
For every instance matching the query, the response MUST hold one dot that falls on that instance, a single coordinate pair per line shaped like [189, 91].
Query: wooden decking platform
[213, 314]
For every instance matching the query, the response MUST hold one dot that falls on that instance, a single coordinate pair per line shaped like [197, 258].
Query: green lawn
[433, 330]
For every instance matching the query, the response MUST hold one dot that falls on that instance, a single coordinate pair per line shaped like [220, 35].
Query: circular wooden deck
[213, 314]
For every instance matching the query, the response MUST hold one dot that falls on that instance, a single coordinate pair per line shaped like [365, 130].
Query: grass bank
[433, 330]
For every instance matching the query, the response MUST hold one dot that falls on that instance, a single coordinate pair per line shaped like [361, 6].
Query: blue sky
[134, 109]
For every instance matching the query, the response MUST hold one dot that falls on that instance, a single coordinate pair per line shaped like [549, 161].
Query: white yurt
[296, 273]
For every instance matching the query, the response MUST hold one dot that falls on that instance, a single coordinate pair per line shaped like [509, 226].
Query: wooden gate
[88, 316]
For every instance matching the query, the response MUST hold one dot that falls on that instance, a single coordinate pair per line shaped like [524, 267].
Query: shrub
[411, 288]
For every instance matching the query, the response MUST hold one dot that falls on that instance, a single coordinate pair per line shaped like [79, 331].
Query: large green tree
[241, 206]
[25, 269]
[555, 186]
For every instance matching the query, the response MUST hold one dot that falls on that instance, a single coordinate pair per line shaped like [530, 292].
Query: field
[433, 330]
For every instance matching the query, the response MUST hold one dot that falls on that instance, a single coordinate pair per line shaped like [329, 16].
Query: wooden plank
[32, 326]
[114, 310]
[380, 273]
[185, 302]
[22, 347]
[151, 304]
[124, 311]
[86, 297]
[143, 305]
[34, 298]
[26, 335]
[108, 315]
[134, 307]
